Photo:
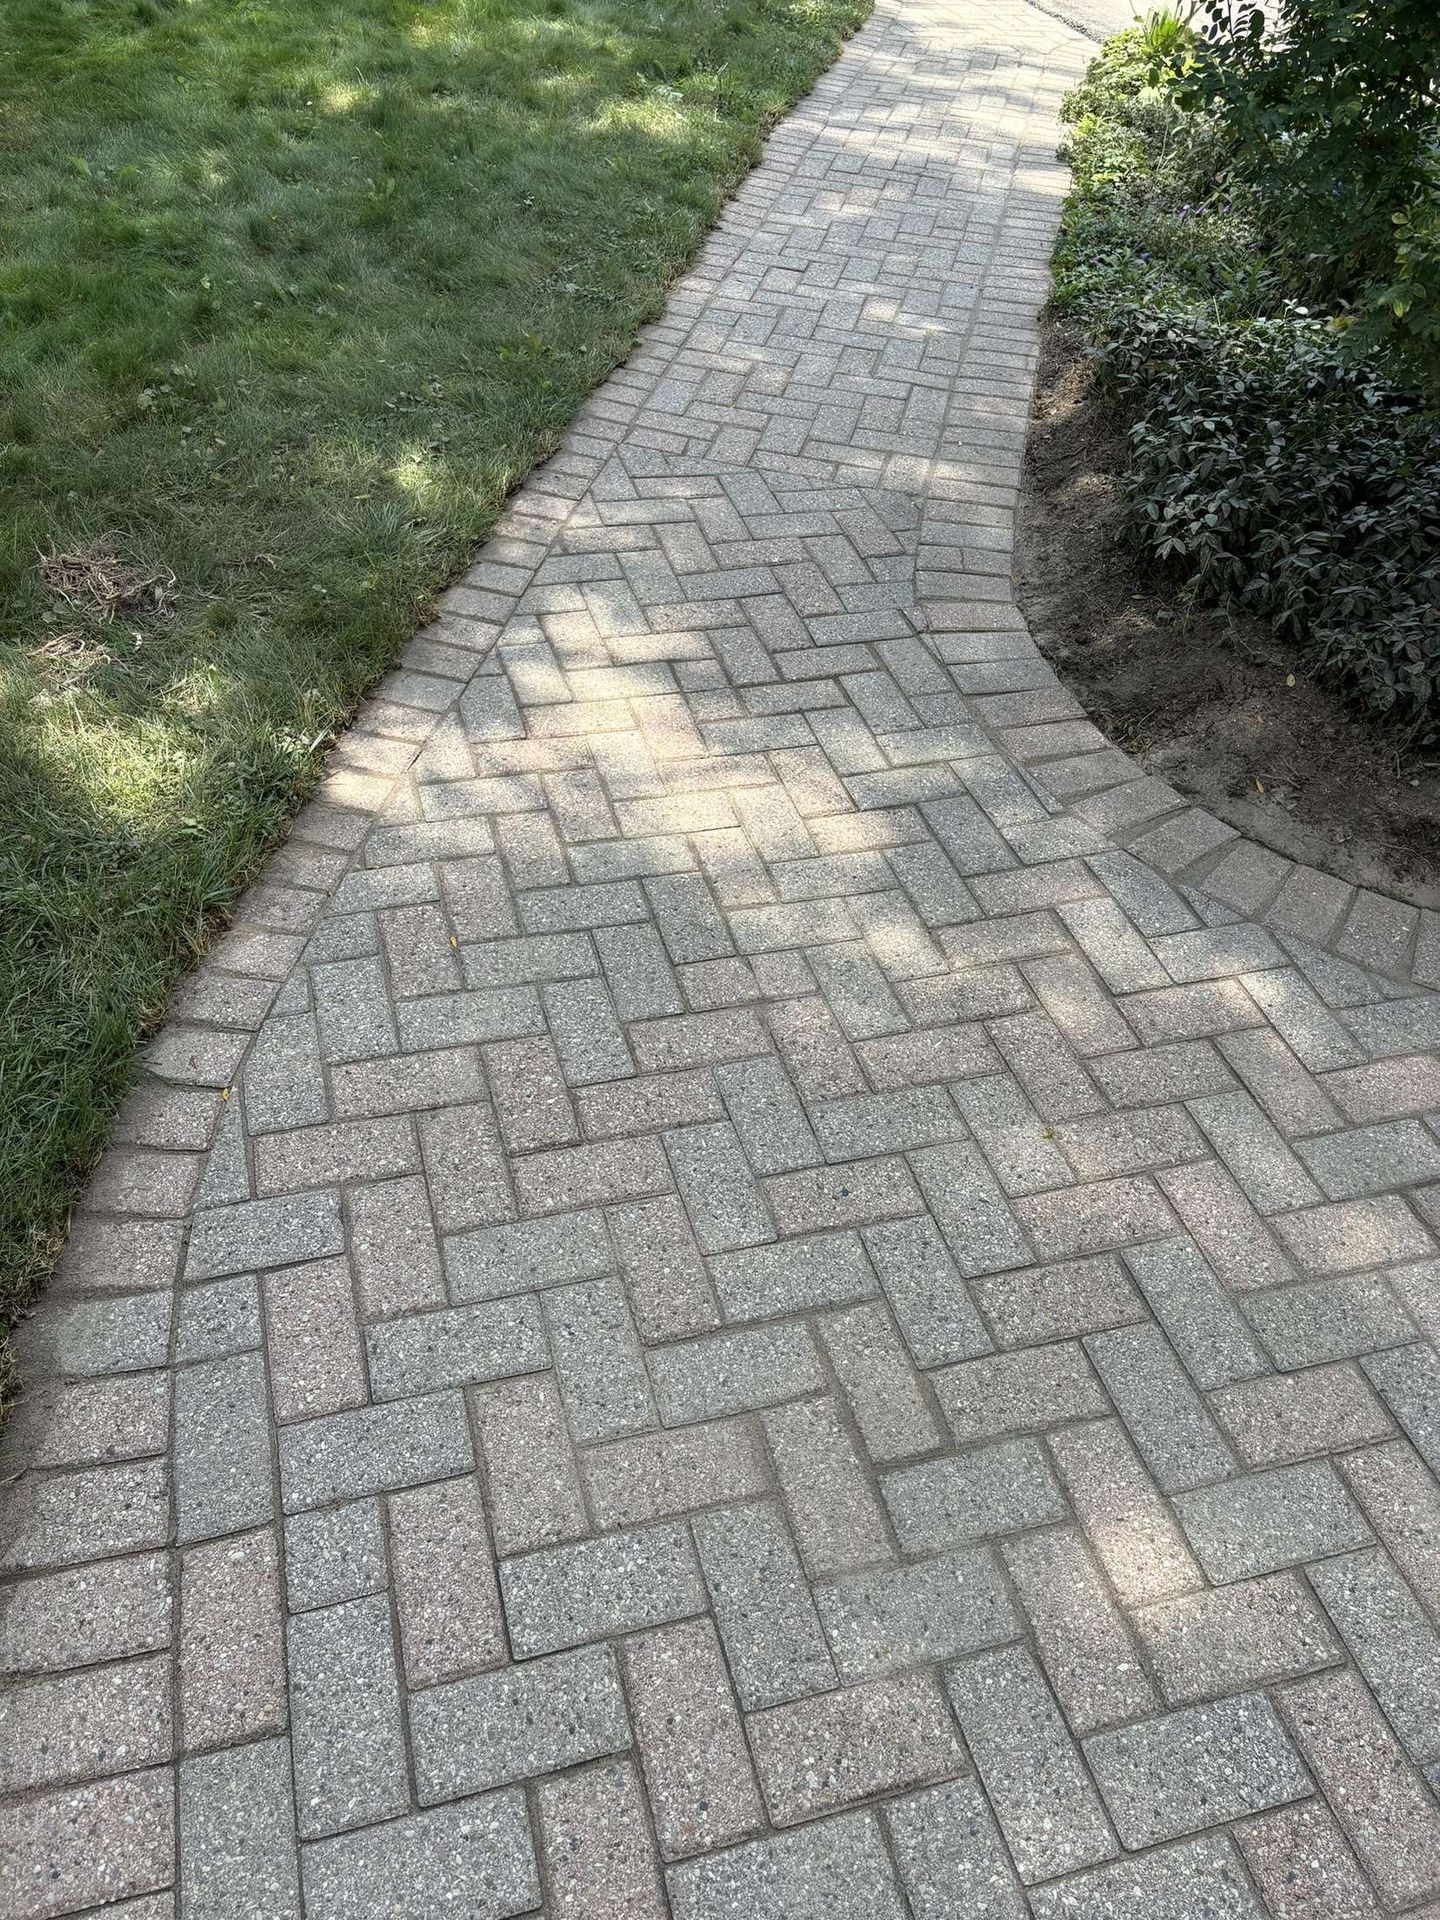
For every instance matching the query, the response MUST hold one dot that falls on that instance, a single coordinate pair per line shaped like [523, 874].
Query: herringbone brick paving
[719, 1303]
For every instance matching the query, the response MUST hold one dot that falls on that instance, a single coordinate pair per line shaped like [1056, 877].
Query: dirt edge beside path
[1217, 706]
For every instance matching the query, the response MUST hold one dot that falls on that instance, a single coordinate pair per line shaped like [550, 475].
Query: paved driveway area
[761, 1283]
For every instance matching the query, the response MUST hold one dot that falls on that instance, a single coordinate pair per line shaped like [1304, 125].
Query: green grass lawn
[291, 295]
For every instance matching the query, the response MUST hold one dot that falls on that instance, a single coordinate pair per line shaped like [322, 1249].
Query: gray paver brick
[647, 1102]
[1402, 1503]
[1205, 1328]
[597, 1360]
[89, 1421]
[1390, 1639]
[835, 1869]
[237, 1833]
[1287, 1416]
[819, 1270]
[600, 1857]
[881, 1387]
[715, 1181]
[1294, 1100]
[587, 1031]
[927, 1295]
[897, 1120]
[516, 1257]
[1355, 1233]
[1105, 1145]
[967, 1205]
[264, 1233]
[335, 1554]
[566, 1178]
[767, 1619]
[892, 1618]
[1386, 1089]
[697, 1767]
[767, 1115]
[1019, 1392]
[1030, 1305]
[393, 1248]
[73, 1846]
[471, 1861]
[915, 1060]
[1303, 1867]
[528, 1087]
[1168, 1421]
[116, 1335]
[1228, 1231]
[313, 1341]
[1260, 1521]
[1088, 1219]
[1194, 1768]
[531, 1478]
[1081, 1635]
[1131, 1529]
[1409, 1380]
[1245, 1635]
[284, 1083]
[1328, 1320]
[345, 1696]
[231, 1663]
[1389, 1816]
[1418, 1287]
[343, 1456]
[218, 1318]
[1182, 1071]
[836, 1518]
[674, 1471]
[666, 1278]
[734, 1372]
[844, 1196]
[77, 1725]
[222, 1447]
[470, 1735]
[68, 1517]
[818, 1055]
[951, 1857]
[563, 1596]
[995, 1489]
[456, 1347]
[125, 1255]
[1173, 1883]
[414, 1081]
[85, 1614]
[445, 1591]
[1046, 1066]
[825, 1752]
[1049, 1812]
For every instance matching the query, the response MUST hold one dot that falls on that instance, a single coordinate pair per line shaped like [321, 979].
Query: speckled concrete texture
[719, 1302]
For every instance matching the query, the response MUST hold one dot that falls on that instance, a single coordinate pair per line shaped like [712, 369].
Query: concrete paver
[762, 1283]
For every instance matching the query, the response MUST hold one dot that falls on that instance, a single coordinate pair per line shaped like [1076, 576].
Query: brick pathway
[771, 1327]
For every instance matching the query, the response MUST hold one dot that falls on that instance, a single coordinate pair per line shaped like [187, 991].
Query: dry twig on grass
[95, 579]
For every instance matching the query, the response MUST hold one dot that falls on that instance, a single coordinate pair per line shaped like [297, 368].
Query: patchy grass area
[290, 297]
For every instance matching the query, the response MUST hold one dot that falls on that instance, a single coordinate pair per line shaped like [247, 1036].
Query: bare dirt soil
[1218, 706]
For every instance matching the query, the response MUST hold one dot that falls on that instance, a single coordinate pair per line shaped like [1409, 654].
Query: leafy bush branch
[1252, 252]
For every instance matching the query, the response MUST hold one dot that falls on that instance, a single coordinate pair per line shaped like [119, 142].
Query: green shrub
[1283, 478]
[1278, 462]
[1333, 112]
